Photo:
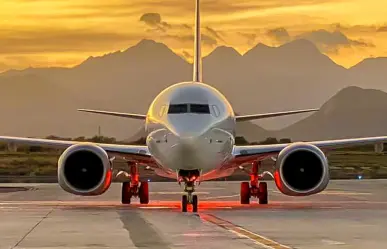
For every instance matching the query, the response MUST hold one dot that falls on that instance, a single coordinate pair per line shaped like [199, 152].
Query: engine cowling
[84, 169]
[301, 169]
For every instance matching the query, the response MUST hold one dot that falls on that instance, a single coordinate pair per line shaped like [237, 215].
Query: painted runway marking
[212, 188]
[219, 197]
[332, 242]
[177, 193]
[242, 232]
[342, 193]
[334, 193]
[156, 207]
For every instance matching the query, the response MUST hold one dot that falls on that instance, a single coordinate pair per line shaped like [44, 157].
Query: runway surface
[349, 214]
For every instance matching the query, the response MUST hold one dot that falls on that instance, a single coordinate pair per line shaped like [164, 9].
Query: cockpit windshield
[199, 108]
[189, 108]
[179, 108]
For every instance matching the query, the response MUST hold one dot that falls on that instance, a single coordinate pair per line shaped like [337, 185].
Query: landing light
[148, 180]
[359, 177]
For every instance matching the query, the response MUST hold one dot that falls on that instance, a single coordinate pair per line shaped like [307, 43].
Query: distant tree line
[270, 140]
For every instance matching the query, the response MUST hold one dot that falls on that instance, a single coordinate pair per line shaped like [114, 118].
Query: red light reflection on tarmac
[203, 205]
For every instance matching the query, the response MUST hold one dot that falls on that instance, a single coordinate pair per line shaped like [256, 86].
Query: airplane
[191, 138]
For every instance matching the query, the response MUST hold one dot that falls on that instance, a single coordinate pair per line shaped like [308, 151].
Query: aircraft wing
[248, 153]
[240, 118]
[117, 114]
[136, 152]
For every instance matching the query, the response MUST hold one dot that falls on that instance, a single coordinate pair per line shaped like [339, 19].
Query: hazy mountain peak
[224, 52]
[148, 44]
[355, 91]
[260, 48]
[143, 50]
[260, 45]
[353, 98]
[301, 45]
[372, 63]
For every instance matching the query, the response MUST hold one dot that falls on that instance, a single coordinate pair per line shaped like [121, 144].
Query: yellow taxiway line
[242, 232]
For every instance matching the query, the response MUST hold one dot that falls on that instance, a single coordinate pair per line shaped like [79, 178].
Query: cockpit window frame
[162, 110]
[215, 110]
[205, 107]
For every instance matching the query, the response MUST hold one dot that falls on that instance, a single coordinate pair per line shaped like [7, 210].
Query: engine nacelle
[84, 169]
[301, 169]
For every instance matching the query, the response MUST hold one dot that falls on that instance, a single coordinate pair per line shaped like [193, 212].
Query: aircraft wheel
[194, 203]
[245, 193]
[263, 196]
[143, 193]
[126, 194]
[184, 203]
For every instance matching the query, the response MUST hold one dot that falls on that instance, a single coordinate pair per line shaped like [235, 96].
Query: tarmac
[349, 214]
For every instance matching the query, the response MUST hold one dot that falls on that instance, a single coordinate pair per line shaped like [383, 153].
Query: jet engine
[301, 169]
[84, 169]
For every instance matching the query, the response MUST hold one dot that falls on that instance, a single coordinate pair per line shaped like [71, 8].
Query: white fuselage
[190, 126]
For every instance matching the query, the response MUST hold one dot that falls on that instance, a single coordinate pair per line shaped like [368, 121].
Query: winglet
[197, 63]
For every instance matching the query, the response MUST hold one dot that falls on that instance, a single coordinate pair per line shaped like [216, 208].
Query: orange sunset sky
[45, 33]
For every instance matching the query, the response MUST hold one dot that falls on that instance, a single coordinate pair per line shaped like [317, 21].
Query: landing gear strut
[134, 187]
[189, 178]
[253, 188]
[189, 198]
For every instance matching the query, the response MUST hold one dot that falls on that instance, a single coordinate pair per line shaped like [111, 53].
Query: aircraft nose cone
[188, 125]
[186, 134]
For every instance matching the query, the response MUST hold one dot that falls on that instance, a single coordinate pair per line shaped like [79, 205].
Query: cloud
[156, 23]
[186, 26]
[187, 55]
[214, 33]
[3, 67]
[326, 41]
[154, 20]
[179, 32]
[61, 40]
[382, 29]
[250, 37]
[331, 41]
[279, 34]
[206, 40]
[358, 29]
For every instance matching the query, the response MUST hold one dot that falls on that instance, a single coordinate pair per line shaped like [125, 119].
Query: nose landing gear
[189, 198]
[253, 188]
[189, 177]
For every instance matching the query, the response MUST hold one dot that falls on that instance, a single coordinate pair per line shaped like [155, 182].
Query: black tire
[143, 193]
[195, 203]
[126, 194]
[184, 203]
[263, 196]
[245, 193]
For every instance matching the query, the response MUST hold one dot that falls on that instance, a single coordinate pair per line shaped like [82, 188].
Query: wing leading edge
[261, 150]
[117, 149]
[240, 118]
[117, 114]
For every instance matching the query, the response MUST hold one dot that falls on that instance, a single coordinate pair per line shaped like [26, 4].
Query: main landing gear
[189, 178]
[253, 188]
[134, 187]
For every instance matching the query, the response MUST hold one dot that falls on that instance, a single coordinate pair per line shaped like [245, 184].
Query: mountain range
[296, 75]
